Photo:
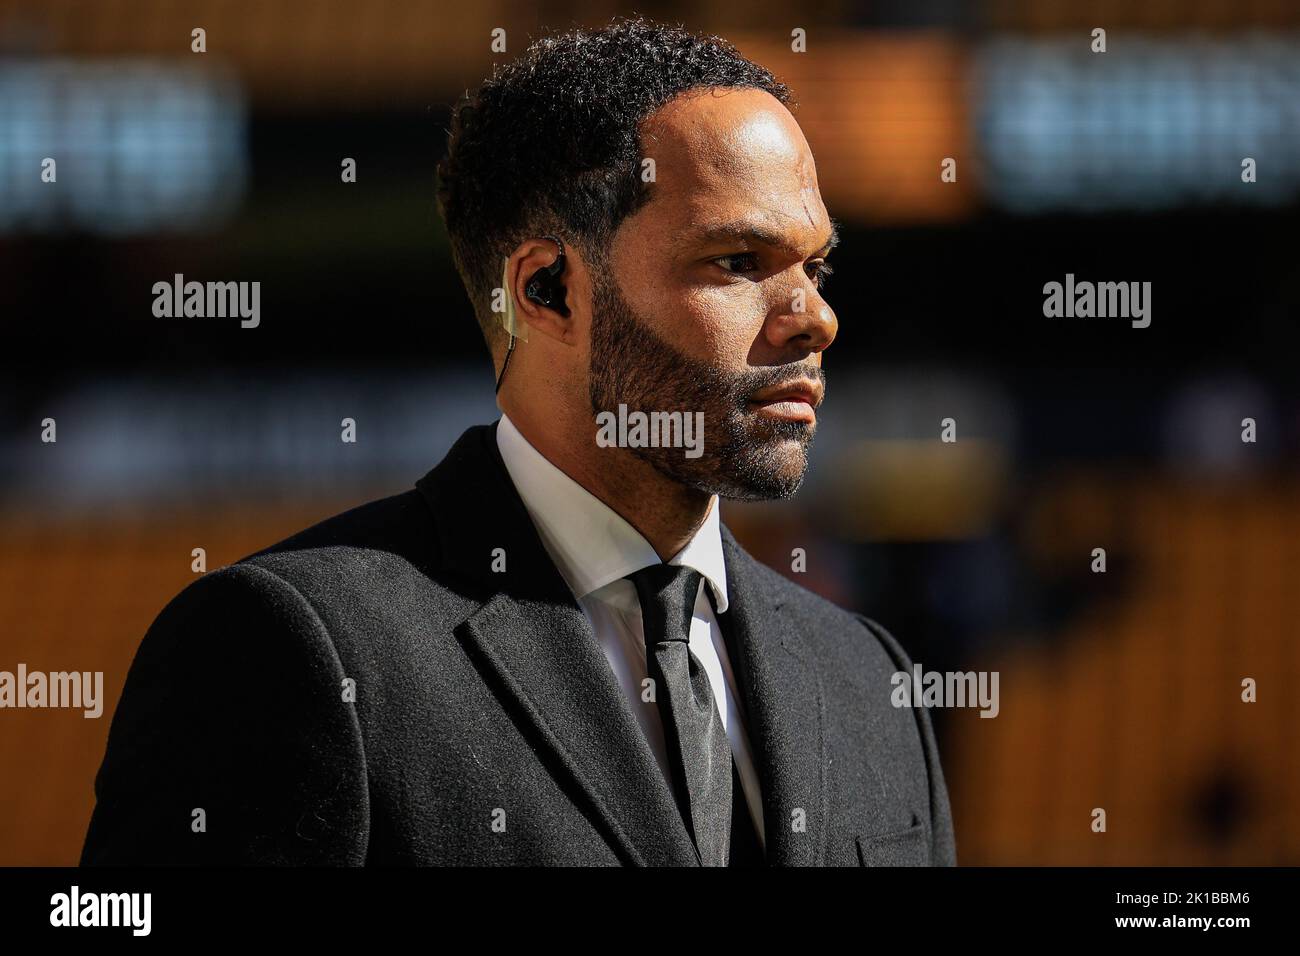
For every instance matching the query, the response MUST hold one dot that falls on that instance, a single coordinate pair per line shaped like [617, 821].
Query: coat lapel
[784, 704]
[534, 639]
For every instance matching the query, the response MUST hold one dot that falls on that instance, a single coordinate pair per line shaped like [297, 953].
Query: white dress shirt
[594, 548]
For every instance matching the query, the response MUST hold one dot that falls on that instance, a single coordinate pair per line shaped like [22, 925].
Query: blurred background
[1119, 690]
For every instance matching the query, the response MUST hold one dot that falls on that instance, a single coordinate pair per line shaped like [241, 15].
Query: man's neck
[665, 512]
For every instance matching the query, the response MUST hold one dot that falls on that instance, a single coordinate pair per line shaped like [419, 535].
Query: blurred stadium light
[246, 437]
[1151, 124]
[1203, 426]
[139, 147]
[881, 112]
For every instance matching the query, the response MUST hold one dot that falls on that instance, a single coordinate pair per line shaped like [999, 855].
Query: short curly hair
[551, 142]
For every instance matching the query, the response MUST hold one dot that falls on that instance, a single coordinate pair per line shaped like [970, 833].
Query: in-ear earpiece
[545, 287]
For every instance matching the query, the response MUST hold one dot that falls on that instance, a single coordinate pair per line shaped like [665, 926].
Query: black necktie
[698, 749]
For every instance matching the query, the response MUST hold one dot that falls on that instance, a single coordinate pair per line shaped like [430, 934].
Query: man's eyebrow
[744, 229]
[834, 239]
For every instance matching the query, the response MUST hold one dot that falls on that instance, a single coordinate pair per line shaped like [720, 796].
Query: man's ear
[536, 255]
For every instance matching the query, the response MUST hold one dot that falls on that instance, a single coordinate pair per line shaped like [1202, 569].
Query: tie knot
[667, 593]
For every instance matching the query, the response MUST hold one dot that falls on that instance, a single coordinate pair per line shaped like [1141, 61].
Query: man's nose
[805, 323]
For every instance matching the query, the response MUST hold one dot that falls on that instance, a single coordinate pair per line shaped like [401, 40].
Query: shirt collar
[590, 543]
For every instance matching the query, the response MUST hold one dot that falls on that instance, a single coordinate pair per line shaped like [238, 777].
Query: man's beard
[746, 457]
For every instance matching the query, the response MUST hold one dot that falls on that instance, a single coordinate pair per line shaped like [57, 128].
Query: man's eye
[819, 272]
[742, 262]
[748, 262]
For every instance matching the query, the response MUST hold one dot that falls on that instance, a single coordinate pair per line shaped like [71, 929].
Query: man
[551, 651]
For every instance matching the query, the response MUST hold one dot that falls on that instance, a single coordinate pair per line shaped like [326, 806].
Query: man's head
[695, 239]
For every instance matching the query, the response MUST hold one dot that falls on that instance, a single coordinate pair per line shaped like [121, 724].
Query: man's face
[709, 299]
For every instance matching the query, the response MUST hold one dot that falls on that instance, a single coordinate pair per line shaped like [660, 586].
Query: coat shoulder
[387, 537]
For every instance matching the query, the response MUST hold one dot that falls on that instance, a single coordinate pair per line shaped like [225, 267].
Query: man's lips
[793, 401]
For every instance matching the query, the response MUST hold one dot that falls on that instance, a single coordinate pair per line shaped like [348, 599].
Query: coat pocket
[907, 847]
